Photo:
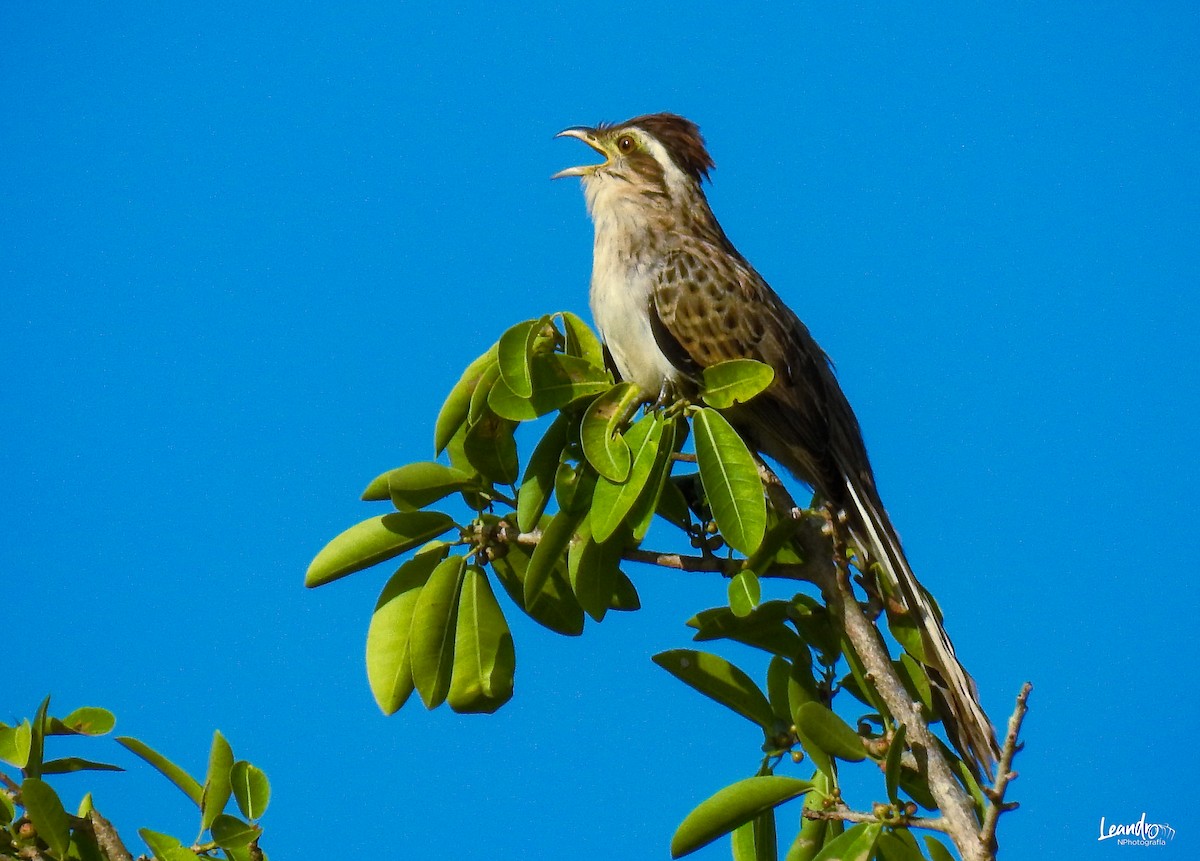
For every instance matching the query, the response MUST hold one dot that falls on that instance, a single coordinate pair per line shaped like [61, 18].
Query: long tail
[966, 723]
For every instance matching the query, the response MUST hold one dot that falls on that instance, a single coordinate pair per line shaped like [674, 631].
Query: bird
[671, 296]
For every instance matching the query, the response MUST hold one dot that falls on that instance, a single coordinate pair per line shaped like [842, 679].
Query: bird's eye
[625, 143]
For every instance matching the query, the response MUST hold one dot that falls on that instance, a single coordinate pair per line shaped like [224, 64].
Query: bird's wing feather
[709, 306]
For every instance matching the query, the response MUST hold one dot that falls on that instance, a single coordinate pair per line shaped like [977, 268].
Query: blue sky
[245, 252]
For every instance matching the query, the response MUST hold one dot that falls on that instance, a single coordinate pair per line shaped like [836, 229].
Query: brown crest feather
[682, 139]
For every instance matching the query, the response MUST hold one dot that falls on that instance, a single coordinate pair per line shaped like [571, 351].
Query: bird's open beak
[588, 136]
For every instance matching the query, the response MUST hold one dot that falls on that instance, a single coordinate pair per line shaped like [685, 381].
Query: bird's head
[656, 154]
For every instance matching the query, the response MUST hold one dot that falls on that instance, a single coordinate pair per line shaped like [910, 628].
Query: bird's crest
[680, 137]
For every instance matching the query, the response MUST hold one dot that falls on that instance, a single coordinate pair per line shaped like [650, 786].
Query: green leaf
[229, 832]
[373, 541]
[829, 732]
[186, 783]
[756, 840]
[491, 448]
[37, 740]
[389, 643]
[731, 807]
[554, 607]
[418, 484]
[731, 481]
[612, 501]
[45, 810]
[454, 411]
[574, 487]
[897, 846]
[599, 433]
[581, 341]
[516, 346]
[625, 597]
[811, 836]
[8, 812]
[217, 786]
[719, 680]
[937, 849]
[765, 627]
[165, 847]
[917, 788]
[89, 720]
[550, 551]
[744, 593]
[478, 407]
[593, 568]
[658, 488]
[892, 767]
[779, 671]
[15, 742]
[735, 382]
[432, 638]
[557, 379]
[854, 844]
[484, 660]
[251, 789]
[70, 764]
[540, 470]
[802, 687]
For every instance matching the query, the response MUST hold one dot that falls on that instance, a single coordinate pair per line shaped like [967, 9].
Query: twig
[1004, 772]
[845, 814]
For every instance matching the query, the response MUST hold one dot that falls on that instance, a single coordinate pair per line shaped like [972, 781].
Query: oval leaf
[612, 501]
[389, 657]
[514, 354]
[581, 341]
[897, 846]
[186, 783]
[15, 742]
[229, 832]
[45, 810]
[418, 484]
[165, 847]
[593, 568]
[484, 660]
[538, 482]
[491, 448]
[829, 732]
[251, 789]
[549, 553]
[744, 593]
[374, 541]
[432, 637]
[454, 411]
[558, 380]
[730, 478]
[600, 435]
[217, 787]
[937, 849]
[88, 720]
[735, 382]
[854, 844]
[720, 680]
[731, 807]
[555, 607]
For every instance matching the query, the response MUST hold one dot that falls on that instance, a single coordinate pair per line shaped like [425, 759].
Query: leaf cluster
[555, 530]
[35, 823]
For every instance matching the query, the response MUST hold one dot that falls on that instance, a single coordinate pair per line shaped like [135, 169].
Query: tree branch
[843, 813]
[1004, 772]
